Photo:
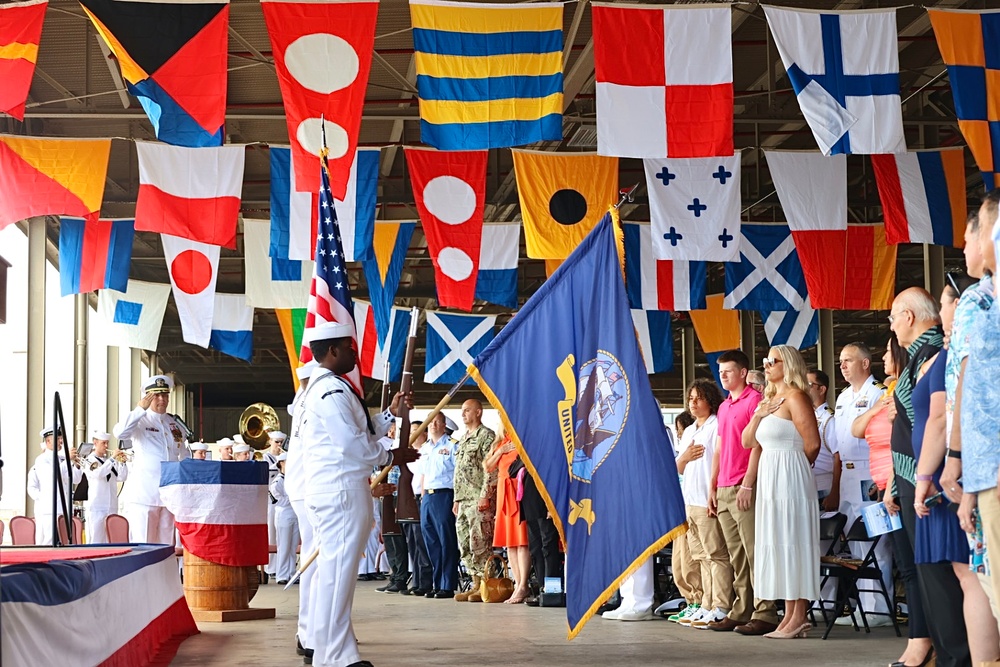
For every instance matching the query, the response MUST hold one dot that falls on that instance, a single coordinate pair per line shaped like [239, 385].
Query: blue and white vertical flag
[272, 282]
[293, 213]
[694, 208]
[656, 339]
[497, 279]
[660, 284]
[371, 355]
[356, 213]
[453, 341]
[769, 275]
[232, 326]
[798, 328]
[133, 318]
[844, 68]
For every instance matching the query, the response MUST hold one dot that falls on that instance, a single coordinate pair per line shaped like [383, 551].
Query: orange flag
[20, 32]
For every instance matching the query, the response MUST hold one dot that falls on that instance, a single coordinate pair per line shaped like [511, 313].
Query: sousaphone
[256, 422]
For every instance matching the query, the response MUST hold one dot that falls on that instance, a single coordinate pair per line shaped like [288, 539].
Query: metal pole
[825, 352]
[114, 381]
[687, 358]
[35, 385]
[747, 342]
[135, 376]
[81, 305]
[934, 269]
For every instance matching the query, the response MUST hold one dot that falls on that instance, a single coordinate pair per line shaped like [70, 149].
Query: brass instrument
[123, 455]
[256, 422]
[258, 456]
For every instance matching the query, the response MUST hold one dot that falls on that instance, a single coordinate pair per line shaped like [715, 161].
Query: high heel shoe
[923, 663]
[800, 632]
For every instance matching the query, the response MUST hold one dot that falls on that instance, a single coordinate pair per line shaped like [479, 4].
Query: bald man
[475, 497]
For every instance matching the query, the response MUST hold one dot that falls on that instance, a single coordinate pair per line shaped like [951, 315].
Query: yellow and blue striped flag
[488, 75]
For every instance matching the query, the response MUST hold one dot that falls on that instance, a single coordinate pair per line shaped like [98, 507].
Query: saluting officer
[103, 474]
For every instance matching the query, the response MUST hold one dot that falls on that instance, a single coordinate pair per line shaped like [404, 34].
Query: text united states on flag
[330, 294]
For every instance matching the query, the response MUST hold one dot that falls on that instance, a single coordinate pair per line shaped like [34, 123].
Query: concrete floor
[405, 631]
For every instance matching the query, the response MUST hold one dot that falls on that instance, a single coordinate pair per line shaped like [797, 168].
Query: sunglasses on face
[771, 361]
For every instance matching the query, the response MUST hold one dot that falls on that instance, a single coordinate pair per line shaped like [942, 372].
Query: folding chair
[831, 529]
[850, 573]
[664, 588]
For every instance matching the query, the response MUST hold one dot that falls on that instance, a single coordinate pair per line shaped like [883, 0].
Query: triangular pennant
[390, 243]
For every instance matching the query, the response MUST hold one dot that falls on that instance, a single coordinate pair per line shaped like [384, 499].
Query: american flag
[330, 296]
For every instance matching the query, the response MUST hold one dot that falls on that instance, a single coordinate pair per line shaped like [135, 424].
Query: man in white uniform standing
[40, 485]
[339, 446]
[275, 448]
[856, 477]
[103, 474]
[155, 437]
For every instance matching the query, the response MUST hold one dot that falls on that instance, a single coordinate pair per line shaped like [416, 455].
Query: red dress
[509, 531]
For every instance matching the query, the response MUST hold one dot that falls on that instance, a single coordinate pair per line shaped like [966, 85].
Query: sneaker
[673, 618]
[701, 622]
[646, 615]
[685, 616]
[612, 615]
[696, 616]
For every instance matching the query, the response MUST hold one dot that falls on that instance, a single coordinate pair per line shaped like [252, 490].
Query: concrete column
[687, 358]
[934, 269]
[114, 391]
[747, 342]
[154, 363]
[826, 354]
[135, 377]
[35, 386]
[80, 370]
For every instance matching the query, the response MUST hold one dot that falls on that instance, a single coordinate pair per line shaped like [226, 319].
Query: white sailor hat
[239, 449]
[303, 372]
[449, 424]
[47, 431]
[101, 435]
[238, 439]
[328, 331]
[225, 442]
[199, 447]
[277, 436]
[158, 384]
[282, 456]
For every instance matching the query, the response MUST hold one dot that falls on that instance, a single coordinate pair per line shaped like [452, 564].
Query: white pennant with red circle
[450, 191]
[194, 270]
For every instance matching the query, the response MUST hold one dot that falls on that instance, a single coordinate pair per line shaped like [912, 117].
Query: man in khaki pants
[731, 497]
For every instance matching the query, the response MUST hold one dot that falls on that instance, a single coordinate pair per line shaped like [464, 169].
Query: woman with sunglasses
[786, 562]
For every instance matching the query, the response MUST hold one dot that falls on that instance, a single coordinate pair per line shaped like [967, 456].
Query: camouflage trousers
[475, 534]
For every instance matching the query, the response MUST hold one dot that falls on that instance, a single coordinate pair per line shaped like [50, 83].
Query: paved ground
[408, 632]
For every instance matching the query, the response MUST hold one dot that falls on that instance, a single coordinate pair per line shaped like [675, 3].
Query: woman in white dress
[786, 563]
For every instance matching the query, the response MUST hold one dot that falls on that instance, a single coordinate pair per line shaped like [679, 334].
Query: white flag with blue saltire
[453, 341]
[769, 275]
[844, 68]
[656, 339]
[798, 328]
[133, 318]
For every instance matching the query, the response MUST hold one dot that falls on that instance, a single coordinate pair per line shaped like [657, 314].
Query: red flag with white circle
[450, 191]
[323, 54]
[194, 270]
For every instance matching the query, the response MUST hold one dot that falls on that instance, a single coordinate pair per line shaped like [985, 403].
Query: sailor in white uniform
[286, 525]
[103, 472]
[155, 437]
[276, 442]
[40, 485]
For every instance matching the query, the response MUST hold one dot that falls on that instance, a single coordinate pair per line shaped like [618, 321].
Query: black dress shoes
[444, 595]
[430, 594]
[361, 663]
[383, 589]
[392, 588]
[299, 649]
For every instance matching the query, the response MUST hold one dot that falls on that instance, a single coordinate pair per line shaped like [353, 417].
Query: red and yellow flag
[51, 177]
[20, 32]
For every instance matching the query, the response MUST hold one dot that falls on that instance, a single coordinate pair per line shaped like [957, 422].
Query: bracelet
[746, 488]
[955, 454]
[925, 478]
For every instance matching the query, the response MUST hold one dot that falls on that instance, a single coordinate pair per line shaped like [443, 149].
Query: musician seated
[199, 451]
[225, 449]
[241, 452]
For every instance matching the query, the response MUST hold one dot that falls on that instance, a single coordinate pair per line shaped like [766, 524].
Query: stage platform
[85, 606]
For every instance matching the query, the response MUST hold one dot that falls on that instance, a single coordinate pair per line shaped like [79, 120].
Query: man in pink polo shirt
[731, 497]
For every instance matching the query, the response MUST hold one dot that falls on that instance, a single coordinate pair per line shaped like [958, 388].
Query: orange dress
[509, 530]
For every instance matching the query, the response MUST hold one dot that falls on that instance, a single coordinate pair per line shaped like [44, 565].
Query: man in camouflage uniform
[475, 497]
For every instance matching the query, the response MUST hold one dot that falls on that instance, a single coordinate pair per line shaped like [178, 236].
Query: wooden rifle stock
[389, 525]
[406, 502]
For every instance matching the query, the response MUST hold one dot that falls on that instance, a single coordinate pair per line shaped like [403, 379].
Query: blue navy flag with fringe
[569, 380]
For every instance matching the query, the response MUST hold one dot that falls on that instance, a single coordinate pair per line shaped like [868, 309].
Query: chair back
[22, 530]
[117, 528]
[1, 532]
[63, 529]
[832, 528]
[77, 530]
[858, 533]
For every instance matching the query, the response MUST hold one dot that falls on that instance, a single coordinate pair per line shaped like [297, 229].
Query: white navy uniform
[40, 490]
[295, 490]
[103, 476]
[339, 449]
[856, 478]
[823, 465]
[272, 535]
[287, 530]
[155, 438]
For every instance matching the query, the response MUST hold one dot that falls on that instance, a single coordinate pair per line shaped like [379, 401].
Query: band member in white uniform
[40, 485]
[155, 437]
[339, 446]
[856, 485]
[286, 525]
[225, 447]
[275, 441]
[199, 450]
[103, 474]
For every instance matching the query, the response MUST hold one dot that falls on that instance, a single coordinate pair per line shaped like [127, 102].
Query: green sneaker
[684, 614]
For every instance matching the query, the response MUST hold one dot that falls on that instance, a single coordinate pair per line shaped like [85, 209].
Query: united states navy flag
[568, 379]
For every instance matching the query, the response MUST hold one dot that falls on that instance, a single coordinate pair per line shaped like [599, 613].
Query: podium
[220, 510]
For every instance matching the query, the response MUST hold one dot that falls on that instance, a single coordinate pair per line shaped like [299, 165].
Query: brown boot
[474, 591]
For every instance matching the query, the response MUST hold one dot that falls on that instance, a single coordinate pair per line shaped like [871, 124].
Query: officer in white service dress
[339, 447]
[155, 437]
[103, 474]
[40, 485]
